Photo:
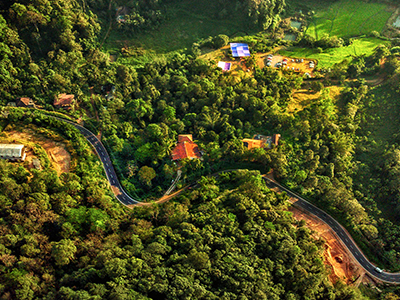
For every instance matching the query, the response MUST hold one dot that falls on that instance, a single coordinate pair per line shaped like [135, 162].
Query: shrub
[221, 40]
[395, 50]
[375, 33]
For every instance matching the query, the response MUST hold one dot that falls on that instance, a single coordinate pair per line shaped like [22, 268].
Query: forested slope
[46, 47]
[67, 238]
[229, 239]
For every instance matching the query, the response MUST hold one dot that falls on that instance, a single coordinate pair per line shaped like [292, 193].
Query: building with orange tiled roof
[25, 102]
[261, 141]
[185, 148]
[64, 101]
[253, 143]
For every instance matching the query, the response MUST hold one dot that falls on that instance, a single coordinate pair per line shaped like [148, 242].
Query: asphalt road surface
[101, 151]
[340, 232]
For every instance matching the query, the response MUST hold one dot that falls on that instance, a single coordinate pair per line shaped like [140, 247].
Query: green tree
[63, 252]
[146, 175]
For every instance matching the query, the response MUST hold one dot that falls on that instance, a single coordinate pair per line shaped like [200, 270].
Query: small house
[186, 148]
[108, 91]
[261, 141]
[13, 152]
[64, 101]
[25, 102]
[253, 143]
[120, 13]
[225, 66]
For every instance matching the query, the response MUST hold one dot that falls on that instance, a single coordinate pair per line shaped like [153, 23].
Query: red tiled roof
[252, 143]
[185, 138]
[185, 149]
[64, 100]
[26, 101]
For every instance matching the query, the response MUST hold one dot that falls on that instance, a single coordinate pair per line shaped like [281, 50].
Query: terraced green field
[335, 55]
[348, 18]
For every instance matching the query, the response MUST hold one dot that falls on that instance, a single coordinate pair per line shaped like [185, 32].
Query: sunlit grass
[348, 18]
[332, 56]
[186, 22]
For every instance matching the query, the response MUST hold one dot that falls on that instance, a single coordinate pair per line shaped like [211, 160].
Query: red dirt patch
[342, 264]
[336, 256]
[56, 151]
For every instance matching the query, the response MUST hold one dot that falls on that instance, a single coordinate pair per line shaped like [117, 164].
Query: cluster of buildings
[16, 152]
[238, 50]
[64, 101]
[186, 148]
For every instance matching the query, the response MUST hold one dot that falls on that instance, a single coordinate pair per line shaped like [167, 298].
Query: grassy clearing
[348, 18]
[187, 22]
[332, 56]
[388, 122]
[303, 98]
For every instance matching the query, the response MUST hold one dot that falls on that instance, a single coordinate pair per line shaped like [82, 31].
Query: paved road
[125, 199]
[340, 232]
[101, 151]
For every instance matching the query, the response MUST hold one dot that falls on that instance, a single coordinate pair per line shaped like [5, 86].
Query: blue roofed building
[240, 50]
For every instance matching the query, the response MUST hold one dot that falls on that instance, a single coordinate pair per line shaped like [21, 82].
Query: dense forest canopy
[229, 237]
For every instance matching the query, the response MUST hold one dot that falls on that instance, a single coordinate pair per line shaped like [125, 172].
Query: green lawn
[348, 18]
[186, 23]
[335, 55]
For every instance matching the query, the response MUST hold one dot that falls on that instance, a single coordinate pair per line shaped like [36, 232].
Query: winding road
[300, 202]
[101, 151]
[340, 232]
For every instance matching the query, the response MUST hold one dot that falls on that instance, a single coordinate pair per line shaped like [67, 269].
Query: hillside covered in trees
[229, 237]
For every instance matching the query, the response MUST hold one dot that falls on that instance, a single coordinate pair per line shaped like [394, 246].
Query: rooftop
[11, 146]
[240, 49]
[253, 143]
[26, 101]
[261, 141]
[225, 66]
[63, 100]
[185, 148]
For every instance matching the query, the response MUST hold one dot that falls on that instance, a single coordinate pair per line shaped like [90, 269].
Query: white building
[12, 152]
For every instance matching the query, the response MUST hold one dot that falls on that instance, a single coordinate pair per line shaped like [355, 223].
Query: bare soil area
[295, 65]
[302, 98]
[342, 264]
[57, 152]
[237, 64]
[336, 256]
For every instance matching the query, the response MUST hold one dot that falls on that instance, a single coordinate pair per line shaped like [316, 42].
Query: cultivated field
[348, 18]
[186, 22]
[332, 56]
